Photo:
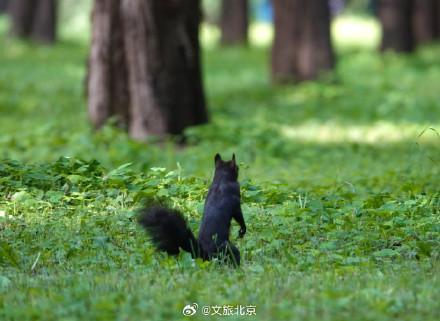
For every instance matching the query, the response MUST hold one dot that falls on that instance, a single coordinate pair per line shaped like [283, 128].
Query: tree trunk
[423, 21]
[3, 6]
[437, 19]
[34, 19]
[151, 79]
[302, 47]
[234, 22]
[45, 21]
[107, 79]
[22, 12]
[397, 32]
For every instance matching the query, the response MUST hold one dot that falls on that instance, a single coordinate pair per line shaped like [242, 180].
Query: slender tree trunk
[437, 19]
[151, 79]
[22, 13]
[302, 46]
[45, 21]
[34, 19]
[234, 22]
[397, 31]
[423, 21]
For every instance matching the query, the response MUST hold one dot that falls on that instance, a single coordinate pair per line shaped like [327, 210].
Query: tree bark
[437, 19]
[107, 87]
[234, 22]
[423, 20]
[22, 12]
[397, 31]
[151, 79]
[147, 118]
[302, 47]
[45, 21]
[35, 19]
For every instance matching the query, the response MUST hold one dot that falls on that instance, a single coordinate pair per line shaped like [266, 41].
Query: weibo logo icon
[190, 309]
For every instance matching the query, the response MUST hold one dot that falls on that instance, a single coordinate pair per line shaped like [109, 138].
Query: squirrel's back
[222, 201]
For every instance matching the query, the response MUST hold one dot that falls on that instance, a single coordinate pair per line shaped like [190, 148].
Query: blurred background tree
[395, 17]
[408, 23]
[144, 66]
[234, 22]
[34, 19]
[423, 20]
[170, 63]
[302, 47]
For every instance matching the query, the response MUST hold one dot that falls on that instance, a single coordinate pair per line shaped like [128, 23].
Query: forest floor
[340, 192]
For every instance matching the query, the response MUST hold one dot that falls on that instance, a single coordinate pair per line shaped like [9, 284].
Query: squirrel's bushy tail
[168, 230]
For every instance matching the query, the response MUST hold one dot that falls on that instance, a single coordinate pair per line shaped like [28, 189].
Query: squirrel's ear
[233, 160]
[217, 158]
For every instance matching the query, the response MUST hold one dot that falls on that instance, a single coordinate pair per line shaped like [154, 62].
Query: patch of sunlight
[78, 29]
[4, 24]
[356, 31]
[209, 35]
[347, 30]
[75, 17]
[374, 133]
[261, 34]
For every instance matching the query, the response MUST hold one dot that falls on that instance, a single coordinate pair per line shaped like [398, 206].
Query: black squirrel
[169, 231]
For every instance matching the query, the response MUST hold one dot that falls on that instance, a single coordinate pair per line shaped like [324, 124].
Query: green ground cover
[340, 185]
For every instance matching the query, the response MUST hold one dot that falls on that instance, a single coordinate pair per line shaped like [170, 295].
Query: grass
[339, 182]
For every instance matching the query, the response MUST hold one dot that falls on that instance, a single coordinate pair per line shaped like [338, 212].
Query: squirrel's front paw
[242, 232]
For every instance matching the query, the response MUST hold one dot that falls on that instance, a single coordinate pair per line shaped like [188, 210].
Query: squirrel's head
[226, 168]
